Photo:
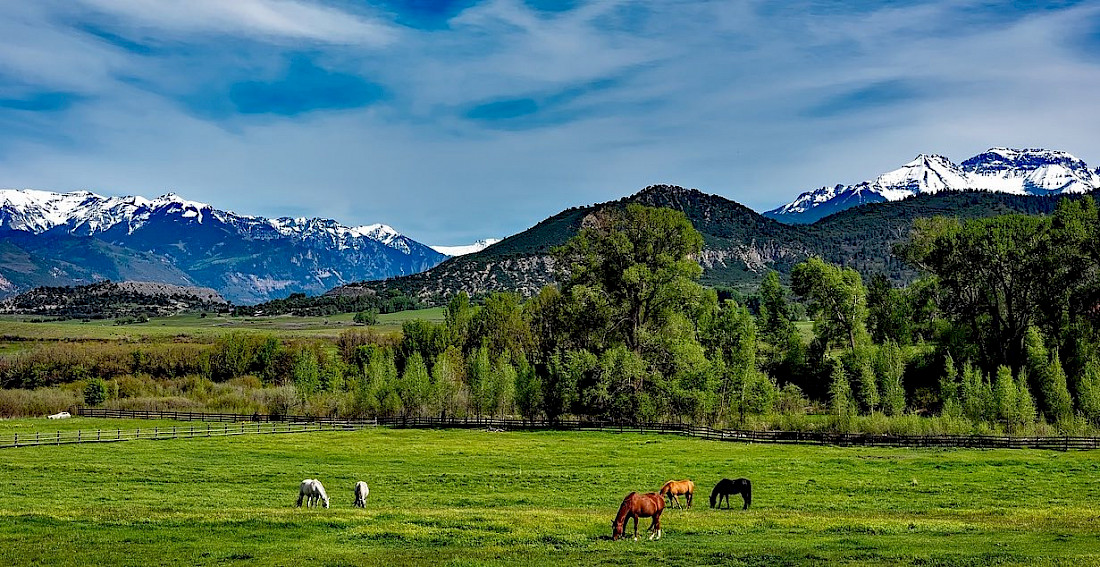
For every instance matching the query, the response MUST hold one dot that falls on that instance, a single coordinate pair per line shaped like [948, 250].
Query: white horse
[312, 491]
[361, 492]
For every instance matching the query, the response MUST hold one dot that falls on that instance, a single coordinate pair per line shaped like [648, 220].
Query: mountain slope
[1001, 170]
[248, 259]
[740, 245]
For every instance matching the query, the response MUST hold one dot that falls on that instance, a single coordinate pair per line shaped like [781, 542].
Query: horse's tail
[747, 494]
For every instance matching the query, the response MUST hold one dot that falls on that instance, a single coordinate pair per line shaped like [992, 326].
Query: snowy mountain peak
[1029, 171]
[464, 249]
[86, 213]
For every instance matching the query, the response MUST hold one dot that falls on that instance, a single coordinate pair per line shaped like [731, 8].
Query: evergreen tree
[977, 395]
[1006, 396]
[1045, 370]
[841, 404]
[95, 392]
[890, 368]
[868, 392]
[1025, 404]
[1088, 390]
[949, 386]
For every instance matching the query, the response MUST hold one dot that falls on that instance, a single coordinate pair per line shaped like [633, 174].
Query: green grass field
[478, 498]
[200, 328]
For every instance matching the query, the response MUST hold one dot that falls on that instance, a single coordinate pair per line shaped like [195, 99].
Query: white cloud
[705, 94]
[274, 19]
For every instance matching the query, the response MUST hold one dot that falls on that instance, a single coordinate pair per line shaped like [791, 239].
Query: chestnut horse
[725, 487]
[674, 488]
[649, 505]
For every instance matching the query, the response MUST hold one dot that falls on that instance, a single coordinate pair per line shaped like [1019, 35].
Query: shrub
[95, 392]
[43, 401]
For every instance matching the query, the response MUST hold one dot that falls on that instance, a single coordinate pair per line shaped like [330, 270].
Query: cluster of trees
[629, 334]
[1000, 330]
[390, 301]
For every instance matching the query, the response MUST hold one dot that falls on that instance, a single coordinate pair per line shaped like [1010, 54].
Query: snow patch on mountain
[1005, 170]
[87, 213]
[464, 249]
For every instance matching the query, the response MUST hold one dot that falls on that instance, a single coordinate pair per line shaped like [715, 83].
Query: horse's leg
[655, 527]
[690, 496]
[635, 527]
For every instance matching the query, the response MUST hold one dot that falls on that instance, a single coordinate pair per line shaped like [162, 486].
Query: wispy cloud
[269, 19]
[429, 115]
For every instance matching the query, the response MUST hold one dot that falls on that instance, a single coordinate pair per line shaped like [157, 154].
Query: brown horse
[639, 506]
[674, 488]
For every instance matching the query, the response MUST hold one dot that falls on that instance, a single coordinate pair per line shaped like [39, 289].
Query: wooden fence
[241, 424]
[208, 429]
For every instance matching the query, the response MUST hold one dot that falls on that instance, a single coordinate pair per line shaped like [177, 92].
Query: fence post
[58, 437]
[98, 434]
[16, 440]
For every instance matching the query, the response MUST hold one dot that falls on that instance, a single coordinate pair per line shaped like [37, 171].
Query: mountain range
[740, 245]
[1000, 170]
[55, 239]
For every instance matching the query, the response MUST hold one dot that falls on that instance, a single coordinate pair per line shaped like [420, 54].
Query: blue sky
[463, 119]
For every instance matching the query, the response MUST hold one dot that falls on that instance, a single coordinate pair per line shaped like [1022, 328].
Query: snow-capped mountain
[246, 258]
[1005, 170]
[465, 249]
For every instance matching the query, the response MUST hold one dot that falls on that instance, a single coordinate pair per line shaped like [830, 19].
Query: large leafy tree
[837, 300]
[631, 269]
[995, 275]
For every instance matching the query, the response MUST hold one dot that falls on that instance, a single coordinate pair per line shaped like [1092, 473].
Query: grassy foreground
[474, 498]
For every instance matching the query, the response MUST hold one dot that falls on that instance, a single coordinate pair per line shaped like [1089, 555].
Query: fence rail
[223, 428]
[241, 424]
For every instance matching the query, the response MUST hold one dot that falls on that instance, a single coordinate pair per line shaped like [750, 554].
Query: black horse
[726, 487]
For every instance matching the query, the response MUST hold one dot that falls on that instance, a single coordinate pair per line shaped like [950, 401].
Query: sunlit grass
[544, 498]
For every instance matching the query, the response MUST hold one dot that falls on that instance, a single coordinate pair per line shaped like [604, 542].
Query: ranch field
[16, 329]
[457, 497]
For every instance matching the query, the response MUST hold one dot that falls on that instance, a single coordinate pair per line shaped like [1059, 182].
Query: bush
[95, 392]
[40, 402]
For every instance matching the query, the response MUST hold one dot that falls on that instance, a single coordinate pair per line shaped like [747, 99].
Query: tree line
[998, 334]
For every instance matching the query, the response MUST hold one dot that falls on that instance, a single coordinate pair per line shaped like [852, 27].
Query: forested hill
[740, 244]
[108, 299]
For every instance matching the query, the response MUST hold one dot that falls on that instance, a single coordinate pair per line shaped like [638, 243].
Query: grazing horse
[361, 492]
[636, 506]
[725, 487]
[312, 490]
[674, 488]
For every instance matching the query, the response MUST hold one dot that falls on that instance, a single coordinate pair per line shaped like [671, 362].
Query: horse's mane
[624, 508]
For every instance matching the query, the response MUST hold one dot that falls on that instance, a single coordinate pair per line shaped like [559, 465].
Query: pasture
[25, 328]
[458, 497]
